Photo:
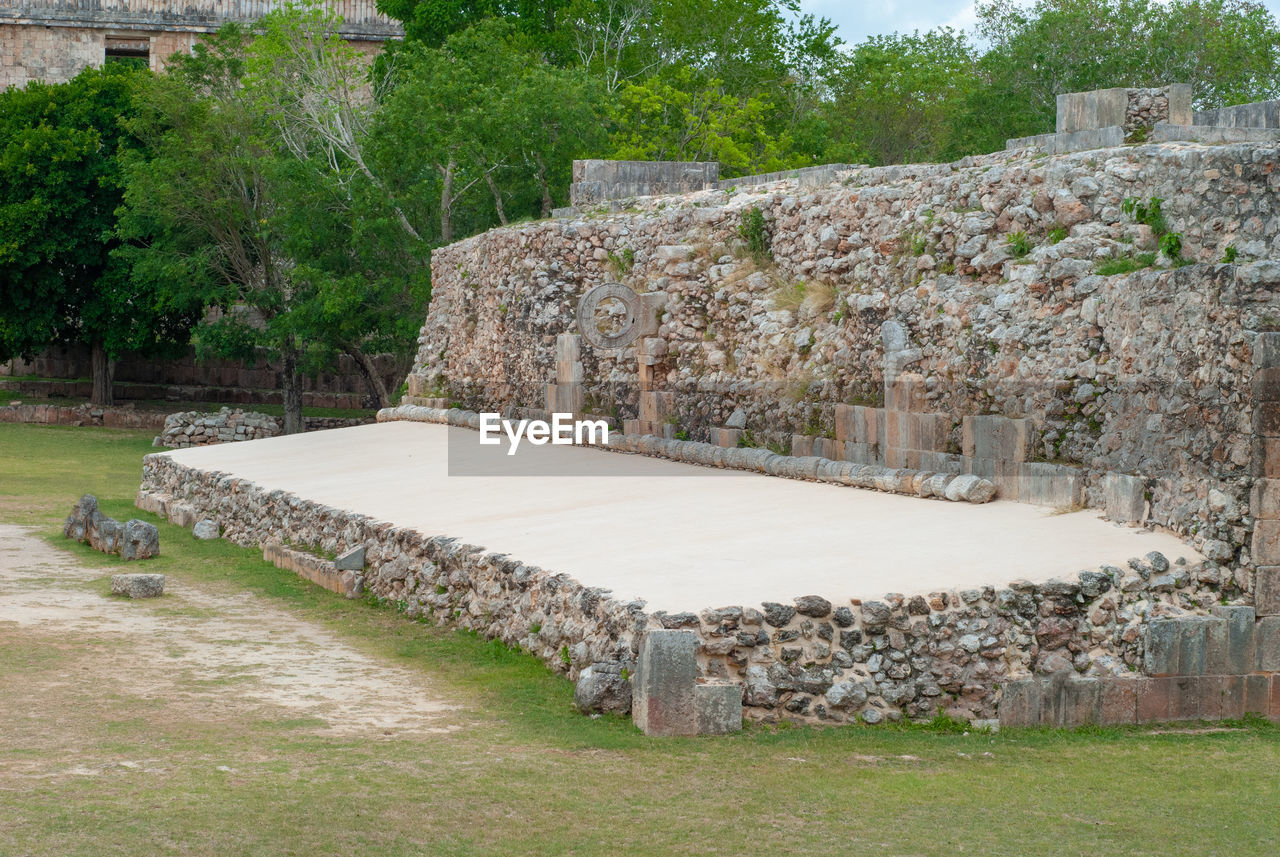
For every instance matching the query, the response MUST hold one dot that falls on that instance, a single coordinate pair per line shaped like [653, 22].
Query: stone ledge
[893, 480]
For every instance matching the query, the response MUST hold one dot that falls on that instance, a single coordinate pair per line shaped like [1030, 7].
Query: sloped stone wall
[992, 267]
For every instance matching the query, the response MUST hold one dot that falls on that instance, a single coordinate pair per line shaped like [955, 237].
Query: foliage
[1056, 234]
[896, 97]
[1147, 213]
[753, 230]
[61, 147]
[1126, 264]
[1171, 246]
[1018, 243]
[1229, 255]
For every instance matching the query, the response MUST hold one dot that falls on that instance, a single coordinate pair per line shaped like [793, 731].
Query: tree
[61, 147]
[682, 121]
[1228, 50]
[897, 97]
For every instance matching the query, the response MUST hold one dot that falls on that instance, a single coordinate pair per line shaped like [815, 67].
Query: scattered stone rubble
[133, 539]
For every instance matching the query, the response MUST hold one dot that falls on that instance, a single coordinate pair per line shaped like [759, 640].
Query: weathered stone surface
[777, 614]
[813, 605]
[602, 687]
[205, 530]
[137, 585]
[1241, 649]
[719, 708]
[351, 560]
[1266, 590]
[663, 686]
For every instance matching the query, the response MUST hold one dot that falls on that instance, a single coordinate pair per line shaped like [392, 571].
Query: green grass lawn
[523, 774]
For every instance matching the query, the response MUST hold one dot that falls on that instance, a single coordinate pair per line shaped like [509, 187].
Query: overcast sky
[858, 19]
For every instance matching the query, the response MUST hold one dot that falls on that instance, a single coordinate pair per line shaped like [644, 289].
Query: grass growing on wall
[520, 772]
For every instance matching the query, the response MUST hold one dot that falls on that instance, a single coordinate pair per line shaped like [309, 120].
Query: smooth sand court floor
[679, 536]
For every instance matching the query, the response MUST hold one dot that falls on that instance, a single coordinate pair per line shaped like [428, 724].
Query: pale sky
[857, 19]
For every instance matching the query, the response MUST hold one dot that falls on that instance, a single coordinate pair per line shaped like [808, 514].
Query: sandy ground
[680, 536]
[202, 653]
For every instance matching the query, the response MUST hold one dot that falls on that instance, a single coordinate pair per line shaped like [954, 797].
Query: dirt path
[203, 654]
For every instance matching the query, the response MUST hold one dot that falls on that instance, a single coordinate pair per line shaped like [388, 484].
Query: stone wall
[1140, 380]
[1127, 108]
[1259, 114]
[596, 181]
[194, 428]
[81, 415]
[807, 660]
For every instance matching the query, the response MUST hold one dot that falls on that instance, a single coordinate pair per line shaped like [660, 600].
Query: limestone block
[1266, 590]
[726, 437]
[1266, 351]
[137, 585]
[995, 437]
[1070, 702]
[1087, 111]
[1267, 638]
[1125, 498]
[1153, 700]
[655, 407]
[1020, 703]
[1044, 484]
[1118, 700]
[801, 445]
[718, 707]
[1162, 648]
[1266, 419]
[663, 686]
[905, 392]
[351, 559]
[1241, 650]
[1265, 544]
[205, 530]
[602, 687]
[1264, 499]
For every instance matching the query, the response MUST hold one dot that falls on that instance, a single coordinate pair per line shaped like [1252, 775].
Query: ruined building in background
[54, 40]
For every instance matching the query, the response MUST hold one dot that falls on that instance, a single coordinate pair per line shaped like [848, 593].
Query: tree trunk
[546, 189]
[104, 376]
[372, 377]
[497, 197]
[291, 392]
[446, 202]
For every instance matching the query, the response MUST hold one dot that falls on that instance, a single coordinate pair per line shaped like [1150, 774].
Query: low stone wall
[596, 181]
[193, 428]
[1258, 114]
[1128, 108]
[901, 655]
[81, 415]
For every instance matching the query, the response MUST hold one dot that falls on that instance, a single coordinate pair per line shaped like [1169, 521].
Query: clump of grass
[1126, 264]
[1056, 234]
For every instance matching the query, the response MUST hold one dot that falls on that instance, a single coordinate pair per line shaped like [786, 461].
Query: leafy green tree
[60, 152]
[682, 121]
[897, 97]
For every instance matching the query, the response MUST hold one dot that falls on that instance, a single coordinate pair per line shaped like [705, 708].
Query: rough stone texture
[603, 687]
[205, 530]
[137, 585]
[132, 539]
[193, 428]
[596, 181]
[351, 560]
[1127, 108]
[1146, 374]
[872, 661]
[719, 708]
[663, 693]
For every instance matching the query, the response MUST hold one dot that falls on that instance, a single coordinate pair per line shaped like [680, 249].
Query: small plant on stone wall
[622, 262]
[1229, 255]
[752, 229]
[1056, 233]
[1018, 243]
[1171, 247]
[1147, 213]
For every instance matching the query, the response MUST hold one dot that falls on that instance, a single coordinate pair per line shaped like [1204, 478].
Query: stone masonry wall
[992, 267]
[807, 660]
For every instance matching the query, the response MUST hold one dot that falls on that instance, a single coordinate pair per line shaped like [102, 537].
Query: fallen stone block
[603, 687]
[137, 585]
[131, 540]
[205, 530]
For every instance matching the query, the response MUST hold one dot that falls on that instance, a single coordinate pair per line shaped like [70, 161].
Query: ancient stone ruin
[1085, 323]
[133, 539]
